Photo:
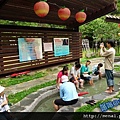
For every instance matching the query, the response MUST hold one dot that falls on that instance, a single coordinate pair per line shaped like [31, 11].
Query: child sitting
[4, 107]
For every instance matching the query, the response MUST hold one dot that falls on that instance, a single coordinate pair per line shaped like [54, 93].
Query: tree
[100, 29]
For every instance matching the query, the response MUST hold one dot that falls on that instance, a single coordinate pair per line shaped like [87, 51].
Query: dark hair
[77, 65]
[88, 61]
[111, 42]
[76, 62]
[65, 68]
[100, 64]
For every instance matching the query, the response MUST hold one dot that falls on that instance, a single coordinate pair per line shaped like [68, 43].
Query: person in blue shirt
[84, 73]
[96, 70]
[68, 94]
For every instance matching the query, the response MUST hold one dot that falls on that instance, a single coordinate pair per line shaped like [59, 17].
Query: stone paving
[97, 97]
[26, 85]
[29, 102]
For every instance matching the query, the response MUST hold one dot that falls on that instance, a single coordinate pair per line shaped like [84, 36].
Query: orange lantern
[64, 13]
[119, 25]
[41, 8]
[80, 17]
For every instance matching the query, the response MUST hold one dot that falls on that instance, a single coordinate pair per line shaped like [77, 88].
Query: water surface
[99, 86]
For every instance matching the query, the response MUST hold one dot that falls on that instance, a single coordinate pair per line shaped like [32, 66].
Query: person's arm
[106, 53]
[5, 101]
[82, 70]
[58, 79]
[58, 82]
[74, 76]
[78, 73]
[5, 104]
[72, 73]
[61, 92]
[93, 69]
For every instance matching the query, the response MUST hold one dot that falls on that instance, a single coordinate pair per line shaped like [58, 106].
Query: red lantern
[41, 8]
[64, 13]
[80, 17]
[119, 25]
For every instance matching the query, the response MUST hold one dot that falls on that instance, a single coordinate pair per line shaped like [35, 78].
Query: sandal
[90, 103]
[108, 89]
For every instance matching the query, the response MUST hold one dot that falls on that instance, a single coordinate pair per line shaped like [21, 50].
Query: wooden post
[1, 57]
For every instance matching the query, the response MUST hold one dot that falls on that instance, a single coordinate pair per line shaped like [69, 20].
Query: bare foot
[108, 91]
[82, 87]
[79, 89]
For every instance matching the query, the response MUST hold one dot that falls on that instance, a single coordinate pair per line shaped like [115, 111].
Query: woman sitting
[64, 71]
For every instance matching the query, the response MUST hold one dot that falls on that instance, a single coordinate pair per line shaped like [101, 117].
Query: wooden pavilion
[22, 10]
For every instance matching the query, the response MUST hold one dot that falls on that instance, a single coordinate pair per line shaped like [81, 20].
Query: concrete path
[51, 76]
[26, 85]
[29, 102]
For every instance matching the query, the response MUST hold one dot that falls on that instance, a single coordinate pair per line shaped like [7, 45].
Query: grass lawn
[89, 108]
[13, 81]
[117, 68]
[14, 98]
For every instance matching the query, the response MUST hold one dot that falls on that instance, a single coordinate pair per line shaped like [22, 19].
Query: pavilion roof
[22, 10]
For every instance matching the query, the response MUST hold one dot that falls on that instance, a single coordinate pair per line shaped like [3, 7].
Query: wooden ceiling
[22, 10]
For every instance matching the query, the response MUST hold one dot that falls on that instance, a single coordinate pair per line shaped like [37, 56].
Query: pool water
[99, 86]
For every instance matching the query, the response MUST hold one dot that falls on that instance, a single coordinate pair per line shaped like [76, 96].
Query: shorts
[86, 78]
[72, 79]
[63, 103]
[109, 77]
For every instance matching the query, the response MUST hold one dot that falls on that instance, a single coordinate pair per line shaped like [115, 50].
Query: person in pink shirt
[64, 71]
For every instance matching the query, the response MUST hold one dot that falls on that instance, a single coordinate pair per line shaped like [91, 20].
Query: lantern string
[64, 6]
[55, 4]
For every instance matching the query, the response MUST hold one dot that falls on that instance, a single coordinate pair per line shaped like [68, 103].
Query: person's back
[68, 91]
[68, 94]
[94, 68]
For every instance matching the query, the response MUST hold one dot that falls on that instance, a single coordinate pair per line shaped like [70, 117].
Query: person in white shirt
[109, 63]
[4, 107]
[74, 76]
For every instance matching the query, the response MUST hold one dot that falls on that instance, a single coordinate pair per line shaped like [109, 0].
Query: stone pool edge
[29, 103]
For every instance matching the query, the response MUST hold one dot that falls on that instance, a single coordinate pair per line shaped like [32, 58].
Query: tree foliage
[99, 28]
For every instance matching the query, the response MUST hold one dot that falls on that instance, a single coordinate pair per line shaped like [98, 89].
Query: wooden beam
[3, 2]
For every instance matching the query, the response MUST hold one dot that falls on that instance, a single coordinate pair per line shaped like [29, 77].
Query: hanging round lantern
[119, 25]
[41, 8]
[80, 17]
[64, 13]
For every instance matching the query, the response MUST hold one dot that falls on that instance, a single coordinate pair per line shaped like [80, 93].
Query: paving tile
[99, 97]
[26, 102]
[33, 96]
